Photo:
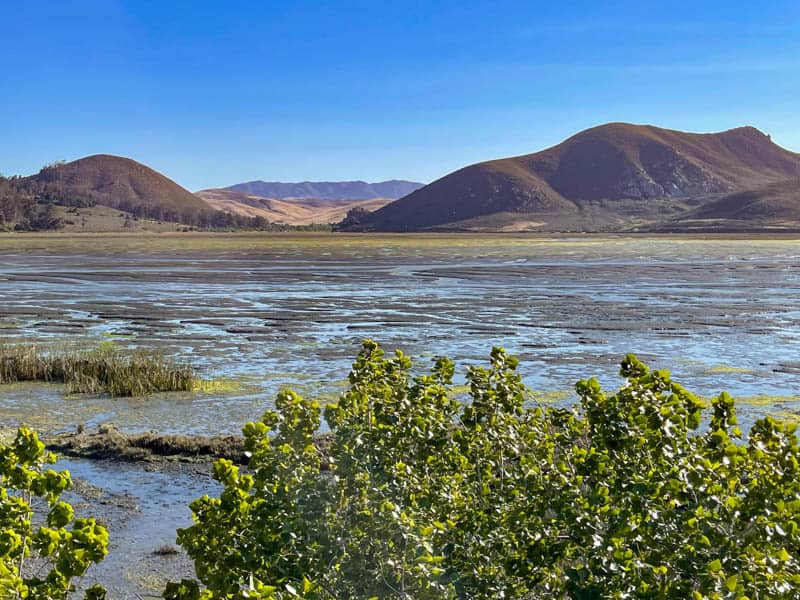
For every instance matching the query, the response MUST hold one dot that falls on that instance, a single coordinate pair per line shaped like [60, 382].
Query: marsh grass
[106, 370]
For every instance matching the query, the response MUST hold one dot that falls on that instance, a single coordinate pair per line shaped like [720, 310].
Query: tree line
[21, 210]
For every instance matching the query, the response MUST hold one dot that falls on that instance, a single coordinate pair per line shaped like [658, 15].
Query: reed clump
[105, 370]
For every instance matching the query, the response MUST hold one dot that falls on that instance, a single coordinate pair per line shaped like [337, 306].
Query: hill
[604, 174]
[116, 182]
[329, 190]
[309, 211]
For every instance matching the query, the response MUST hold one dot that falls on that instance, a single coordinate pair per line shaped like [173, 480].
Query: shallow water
[292, 311]
[141, 509]
[272, 311]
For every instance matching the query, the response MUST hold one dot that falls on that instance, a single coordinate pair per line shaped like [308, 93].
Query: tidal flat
[259, 312]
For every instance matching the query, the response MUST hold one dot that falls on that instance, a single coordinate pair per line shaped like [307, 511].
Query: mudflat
[258, 312]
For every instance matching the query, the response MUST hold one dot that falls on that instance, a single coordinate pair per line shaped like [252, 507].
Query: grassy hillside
[309, 211]
[108, 193]
[119, 183]
[779, 200]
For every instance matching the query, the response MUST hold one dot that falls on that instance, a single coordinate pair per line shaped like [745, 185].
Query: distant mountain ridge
[132, 187]
[328, 190]
[617, 161]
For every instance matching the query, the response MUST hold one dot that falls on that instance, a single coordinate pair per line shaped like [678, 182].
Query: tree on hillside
[15, 203]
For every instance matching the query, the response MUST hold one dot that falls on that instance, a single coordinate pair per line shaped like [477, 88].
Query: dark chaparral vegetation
[645, 492]
[20, 210]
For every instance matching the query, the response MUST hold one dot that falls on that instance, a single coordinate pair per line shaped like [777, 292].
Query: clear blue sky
[213, 93]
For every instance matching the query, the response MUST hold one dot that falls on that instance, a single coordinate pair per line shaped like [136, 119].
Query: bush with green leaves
[43, 547]
[633, 494]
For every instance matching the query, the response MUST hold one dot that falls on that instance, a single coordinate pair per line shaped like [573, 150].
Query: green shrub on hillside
[420, 497]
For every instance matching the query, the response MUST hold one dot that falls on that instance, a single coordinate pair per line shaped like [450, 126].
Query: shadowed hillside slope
[617, 161]
[774, 201]
[774, 207]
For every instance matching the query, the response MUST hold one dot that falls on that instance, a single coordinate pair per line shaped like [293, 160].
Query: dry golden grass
[286, 212]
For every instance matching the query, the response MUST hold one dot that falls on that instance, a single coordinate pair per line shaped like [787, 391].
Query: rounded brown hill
[120, 183]
[616, 161]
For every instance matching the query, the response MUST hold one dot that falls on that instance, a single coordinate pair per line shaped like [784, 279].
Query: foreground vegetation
[105, 370]
[641, 493]
[626, 496]
[43, 547]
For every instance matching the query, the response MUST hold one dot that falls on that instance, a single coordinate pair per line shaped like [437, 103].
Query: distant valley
[307, 202]
[301, 211]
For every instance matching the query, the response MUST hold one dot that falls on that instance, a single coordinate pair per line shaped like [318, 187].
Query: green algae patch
[548, 396]
[765, 400]
[721, 369]
[459, 390]
[224, 385]
[788, 416]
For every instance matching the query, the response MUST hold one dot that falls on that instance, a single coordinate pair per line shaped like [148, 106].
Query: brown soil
[109, 443]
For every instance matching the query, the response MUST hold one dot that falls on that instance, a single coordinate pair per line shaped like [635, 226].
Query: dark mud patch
[92, 495]
[159, 452]
[109, 443]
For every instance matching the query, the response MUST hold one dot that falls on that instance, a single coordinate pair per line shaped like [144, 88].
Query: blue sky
[214, 93]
